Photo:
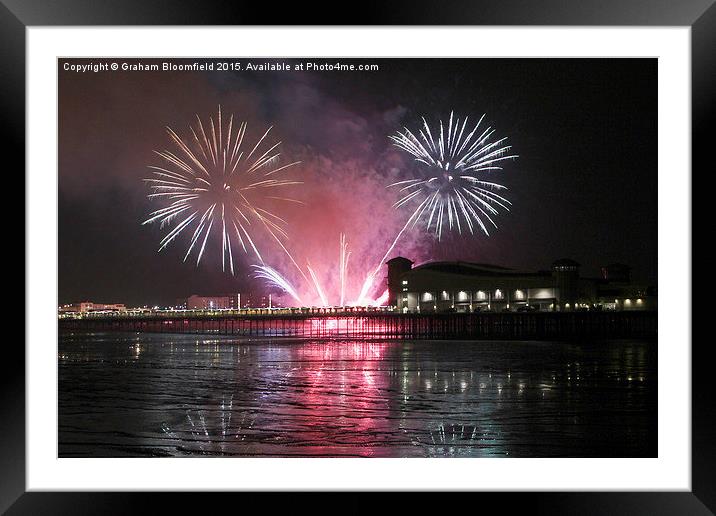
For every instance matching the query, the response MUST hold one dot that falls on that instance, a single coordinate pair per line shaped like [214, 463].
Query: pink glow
[382, 300]
[333, 283]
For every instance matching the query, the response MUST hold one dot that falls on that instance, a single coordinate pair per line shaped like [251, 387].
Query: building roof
[399, 259]
[473, 269]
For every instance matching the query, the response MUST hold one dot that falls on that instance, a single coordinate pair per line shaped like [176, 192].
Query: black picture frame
[700, 15]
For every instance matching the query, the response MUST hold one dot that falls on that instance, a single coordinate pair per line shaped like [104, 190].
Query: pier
[376, 324]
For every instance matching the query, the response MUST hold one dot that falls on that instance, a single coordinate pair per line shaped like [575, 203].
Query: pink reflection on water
[345, 398]
[342, 351]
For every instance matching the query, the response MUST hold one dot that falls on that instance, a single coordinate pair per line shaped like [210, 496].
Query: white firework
[274, 278]
[452, 188]
[216, 180]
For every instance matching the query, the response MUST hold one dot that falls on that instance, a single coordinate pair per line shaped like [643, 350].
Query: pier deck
[379, 324]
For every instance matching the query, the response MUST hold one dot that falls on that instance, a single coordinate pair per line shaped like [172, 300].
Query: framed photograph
[390, 256]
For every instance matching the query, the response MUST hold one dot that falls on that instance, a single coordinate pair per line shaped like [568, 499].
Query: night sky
[584, 185]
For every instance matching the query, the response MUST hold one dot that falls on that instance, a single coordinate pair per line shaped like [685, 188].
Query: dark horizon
[584, 185]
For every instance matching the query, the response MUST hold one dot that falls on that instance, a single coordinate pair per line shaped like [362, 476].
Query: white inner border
[672, 470]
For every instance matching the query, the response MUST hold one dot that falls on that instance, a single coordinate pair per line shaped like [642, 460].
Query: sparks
[274, 278]
[317, 285]
[217, 180]
[343, 267]
[451, 189]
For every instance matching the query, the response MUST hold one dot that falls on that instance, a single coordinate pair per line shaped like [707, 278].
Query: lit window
[498, 294]
[480, 294]
[427, 296]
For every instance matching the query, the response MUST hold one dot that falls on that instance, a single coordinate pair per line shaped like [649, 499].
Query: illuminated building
[468, 287]
[196, 302]
[226, 302]
[88, 306]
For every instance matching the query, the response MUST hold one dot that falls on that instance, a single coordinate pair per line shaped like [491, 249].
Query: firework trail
[343, 267]
[451, 188]
[217, 180]
[274, 278]
[317, 285]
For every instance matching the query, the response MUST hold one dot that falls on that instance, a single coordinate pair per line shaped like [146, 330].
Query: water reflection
[210, 432]
[180, 395]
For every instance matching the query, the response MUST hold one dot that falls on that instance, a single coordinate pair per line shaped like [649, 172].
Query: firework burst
[215, 180]
[451, 189]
